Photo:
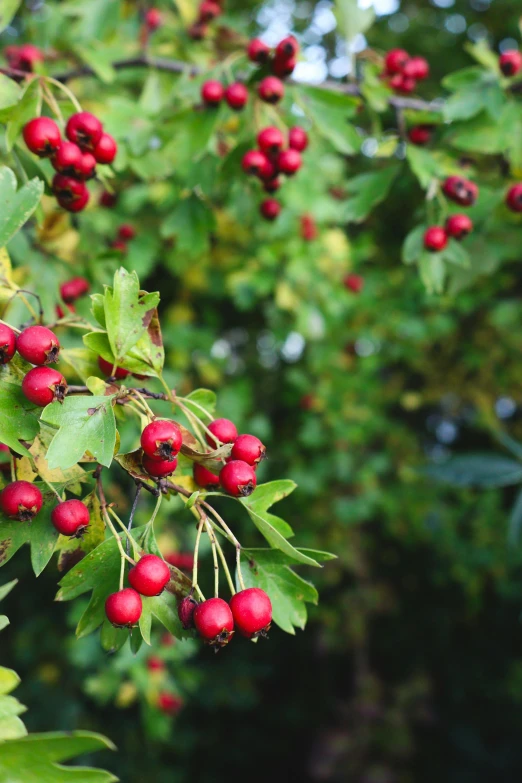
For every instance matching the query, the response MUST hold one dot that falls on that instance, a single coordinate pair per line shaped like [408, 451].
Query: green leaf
[432, 271]
[191, 223]
[6, 589]
[25, 110]
[201, 398]
[85, 424]
[374, 89]
[16, 206]
[474, 91]
[8, 9]
[368, 190]
[9, 680]
[424, 164]
[99, 58]
[9, 90]
[17, 420]
[352, 19]
[477, 470]
[11, 729]
[128, 312]
[456, 253]
[43, 535]
[413, 245]
[330, 111]
[515, 522]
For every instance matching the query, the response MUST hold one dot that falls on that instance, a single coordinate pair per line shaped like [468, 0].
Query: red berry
[514, 198]
[289, 161]
[159, 468]
[270, 208]
[214, 622]
[420, 134]
[87, 168]
[7, 344]
[297, 139]
[308, 228]
[236, 95]
[67, 158]
[60, 312]
[69, 191]
[186, 611]
[252, 612]
[106, 368]
[212, 93]
[271, 89]
[354, 283]
[510, 62]
[208, 11]
[204, 478]
[123, 609]
[107, 199]
[287, 48]
[169, 703]
[24, 57]
[283, 68]
[257, 51]
[249, 449]
[153, 21]
[458, 226]
[395, 61]
[76, 205]
[271, 185]
[270, 140]
[155, 664]
[42, 136]
[435, 239]
[42, 385]
[460, 190]
[71, 517]
[182, 560]
[126, 232]
[224, 430]
[106, 149]
[161, 439]
[21, 500]
[38, 345]
[150, 575]
[197, 31]
[403, 84]
[84, 129]
[238, 478]
[253, 162]
[74, 289]
[417, 68]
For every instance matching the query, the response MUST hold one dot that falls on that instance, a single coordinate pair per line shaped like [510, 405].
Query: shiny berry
[68, 189]
[24, 57]
[126, 232]
[21, 500]
[169, 703]
[416, 68]
[435, 239]
[106, 368]
[150, 575]
[153, 20]
[238, 478]
[249, 449]
[42, 136]
[354, 283]
[271, 89]
[214, 622]
[514, 198]
[7, 344]
[208, 11]
[224, 430]
[510, 62]
[460, 190]
[253, 162]
[74, 289]
[159, 468]
[84, 129]
[204, 478]
[297, 139]
[289, 161]
[212, 93]
[161, 439]
[458, 226]
[257, 51]
[42, 385]
[252, 612]
[71, 517]
[106, 149]
[287, 48]
[123, 609]
[236, 96]
[87, 167]
[270, 140]
[38, 345]
[270, 209]
[186, 611]
[77, 204]
[67, 158]
[420, 134]
[395, 61]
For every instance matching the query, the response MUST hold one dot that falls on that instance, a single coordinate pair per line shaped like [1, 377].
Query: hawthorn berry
[74, 289]
[354, 283]
[70, 192]
[238, 478]
[87, 168]
[269, 170]
[84, 129]
[416, 68]
[197, 31]
[119, 245]
[42, 385]
[287, 48]
[42, 136]
[204, 478]
[253, 162]
[510, 62]
[186, 611]
[60, 312]
[123, 609]
[24, 57]
[271, 89]
[106, 368]
[236, 96]
[70, 518]
[420, 134]
[270, 140]
[126, 232]
[38, 345]
[169, 703]
[283, 68]
[403, 84]
[395, 60]
[252, 612]
[67, 158]
[514, 198]
[7, 344]
[155, 664]
[257, 51]
[208, 11]
[308, 228]
[224, 430]
[271, 185]
[161, 439]
[108, 200]
[270, 208]
[153, 20]
[182, 560]
[435, 239]
[458, 226]
[76, 205]
[159, 468]
[212, 93]
[106, 149]
[297, 139]
[214, 622]
[460, 190]
[21, 500]
[249, 449]
[289, 161]
[150, 575]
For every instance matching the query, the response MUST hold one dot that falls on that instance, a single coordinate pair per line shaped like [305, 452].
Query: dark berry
[270, 140]
[21, 500]
[395, 61]
[237, 478]
[197, 31]
[106, 368]
[420, 134]
[354, 283]
[106, 149]
[460, 190]
[510, 62]
[249, 449]
[42, 385]
[224, 430]
[84, 129]
[458, 226]
[123, 609]
[252, 612]
[212, 93]
[514, 198]
[297, 139]
[214, 622]
[435, 239]
[150, 575]
[161, 439]
[159, 468]
[270, 208]
[271, 89]
[186, 611]
[7, 344]
[69, 191]
[71, 517]
[42, 136]
[108, 200]
[126, 232]
[76, 205]
[169, 703]
[289, 161]
[38, 345]
[283, 68]
[254, 162]
[404, 84]
[271, 185]
[204, 478]
[74, 289]
[236, 95]
[257, 51]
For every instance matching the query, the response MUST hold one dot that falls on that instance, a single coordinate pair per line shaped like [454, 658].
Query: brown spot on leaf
[4, 549]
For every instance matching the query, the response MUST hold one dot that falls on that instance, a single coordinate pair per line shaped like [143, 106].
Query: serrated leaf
[330, 112]
[424, 164]
[17, 419]
[25, 110]
[477, 470]
[16, 206]
[367, 190]
[191, 222]
[128, 312]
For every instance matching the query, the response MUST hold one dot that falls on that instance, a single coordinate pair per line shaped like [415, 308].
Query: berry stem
[196, 405]
[105, 514]
[139, 487]
[210, 529]
[212, 538]
[196, 553]
[15, 330]
[194, 421]
[53, 490]
[150, 413]
[232, 539]
[130, 539]
[52, 102]
[187, 411]
[61, 86]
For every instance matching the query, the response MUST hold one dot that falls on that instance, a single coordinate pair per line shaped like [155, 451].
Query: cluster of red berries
[271, 159]
[463, 192]
[510, 62]
[402, 72]
[213, 92]
[70, 292]
[75, 159]
[208, 11]
[161, 441]
[22, 500]
[24, 57]
[238, 475]
[281, 61]
[125, 234]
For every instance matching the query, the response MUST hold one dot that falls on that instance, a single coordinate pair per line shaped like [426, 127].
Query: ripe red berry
[271, 185]
[38, 345]
[7, 344]
[289, 161]
[161, 439]
[283, 68]
[212, 93]
[236, 95]
[270, 208]
[297, 139]
[68, 190]
[287, 48]
[21, 500]
[197, 31]
[308, 228]
[126, 232]
[71, 517]
[208, 11]
[42, 136]
[123, 609]
[108, 200]
[249, 449]
[150, 575]
[155, 664]
[74, 289]
[106, 368]
[224, 430]
[460, 190]
[257, 51]
[204, 478]
[87, 167]
[510, 62]
[354, 283]
[77, 204]
[417, 68]
[106, 149]
[24, 57]
[435, 239]
[238, 478]
[159, 468]
[42, 385]
[60, 312]
[420, 134]
[514, 198]
[395, 61]
[252, 612]
[270, 140]
[253, 162]
[182, 560]
[84, 129]
[214, 622]
[169, 703]
[153, 20]
[186, 611]
[401, 83]
[271, 89]
[458, 226]
[67, 158]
